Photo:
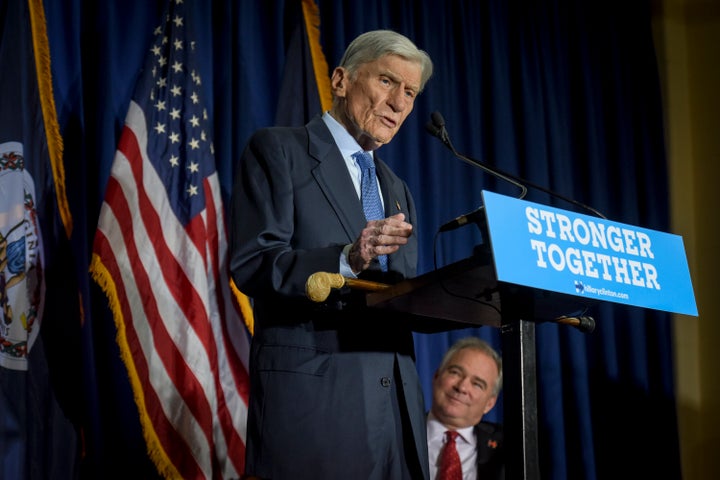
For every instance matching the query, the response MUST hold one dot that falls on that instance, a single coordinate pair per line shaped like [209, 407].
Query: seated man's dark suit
[490, 451]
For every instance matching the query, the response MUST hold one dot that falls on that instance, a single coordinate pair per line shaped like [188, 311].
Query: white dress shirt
[466, 447]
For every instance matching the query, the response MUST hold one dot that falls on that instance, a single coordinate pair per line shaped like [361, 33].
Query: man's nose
[397, 100]
[461, 385]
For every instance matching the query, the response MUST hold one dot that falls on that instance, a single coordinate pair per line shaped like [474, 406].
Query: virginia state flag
[36, 440]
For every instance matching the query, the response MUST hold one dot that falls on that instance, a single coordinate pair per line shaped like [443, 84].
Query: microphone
[438, 122]
[457, 222]
[583, 323]
[437, 129]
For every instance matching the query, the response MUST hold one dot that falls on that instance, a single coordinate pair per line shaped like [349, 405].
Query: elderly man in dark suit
[465, 387]
[334, 391]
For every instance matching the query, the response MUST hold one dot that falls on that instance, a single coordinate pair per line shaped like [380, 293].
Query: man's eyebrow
[398, 79]
[479, 379]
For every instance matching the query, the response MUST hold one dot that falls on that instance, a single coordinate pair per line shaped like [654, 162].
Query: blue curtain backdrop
[564, 93]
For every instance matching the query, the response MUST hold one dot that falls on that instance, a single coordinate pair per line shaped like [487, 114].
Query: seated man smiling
[465, 387]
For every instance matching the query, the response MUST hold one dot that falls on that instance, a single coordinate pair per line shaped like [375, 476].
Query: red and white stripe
[183, 338]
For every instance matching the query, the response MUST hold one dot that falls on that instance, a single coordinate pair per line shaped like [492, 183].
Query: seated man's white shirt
[466, 446]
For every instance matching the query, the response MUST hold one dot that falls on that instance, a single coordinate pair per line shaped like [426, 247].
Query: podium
[468, 294]
[540, 264]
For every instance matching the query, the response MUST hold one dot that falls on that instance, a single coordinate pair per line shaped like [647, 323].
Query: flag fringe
[245, 308]
[157, 454]
[47, 102]
[311, 15]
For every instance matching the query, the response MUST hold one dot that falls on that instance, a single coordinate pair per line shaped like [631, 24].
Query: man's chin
[455, 408]
[383, 136]
[385, 139]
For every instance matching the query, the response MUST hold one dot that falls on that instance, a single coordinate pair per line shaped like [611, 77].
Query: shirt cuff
[345, 269]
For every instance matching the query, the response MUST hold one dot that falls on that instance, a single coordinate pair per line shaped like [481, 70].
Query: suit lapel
[334, 179]
[392, 190]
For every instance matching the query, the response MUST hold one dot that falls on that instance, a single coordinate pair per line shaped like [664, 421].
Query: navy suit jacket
[490, 451]
[322, 375]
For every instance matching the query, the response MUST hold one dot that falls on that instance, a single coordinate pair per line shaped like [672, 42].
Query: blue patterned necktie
[369, 194]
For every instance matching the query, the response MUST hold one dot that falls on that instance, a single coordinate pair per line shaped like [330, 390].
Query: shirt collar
[437, 429]
[345, 142]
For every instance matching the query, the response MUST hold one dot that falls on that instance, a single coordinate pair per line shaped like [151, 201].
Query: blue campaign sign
[548, 248]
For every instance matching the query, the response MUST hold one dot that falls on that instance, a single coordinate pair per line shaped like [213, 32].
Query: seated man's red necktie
[450, 468]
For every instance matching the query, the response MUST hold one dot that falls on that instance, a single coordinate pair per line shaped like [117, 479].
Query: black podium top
[466, 294]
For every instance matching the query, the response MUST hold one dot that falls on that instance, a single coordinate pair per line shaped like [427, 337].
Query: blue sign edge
[691, 305]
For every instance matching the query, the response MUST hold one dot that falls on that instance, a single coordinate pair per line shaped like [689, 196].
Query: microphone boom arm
[437, 129]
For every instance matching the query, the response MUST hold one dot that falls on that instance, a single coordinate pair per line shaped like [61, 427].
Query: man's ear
[490, 404]
[338, 81]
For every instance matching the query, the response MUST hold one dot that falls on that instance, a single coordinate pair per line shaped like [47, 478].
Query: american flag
[160, 254]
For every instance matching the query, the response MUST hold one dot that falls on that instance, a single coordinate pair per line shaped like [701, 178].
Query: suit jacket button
[385, 381]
